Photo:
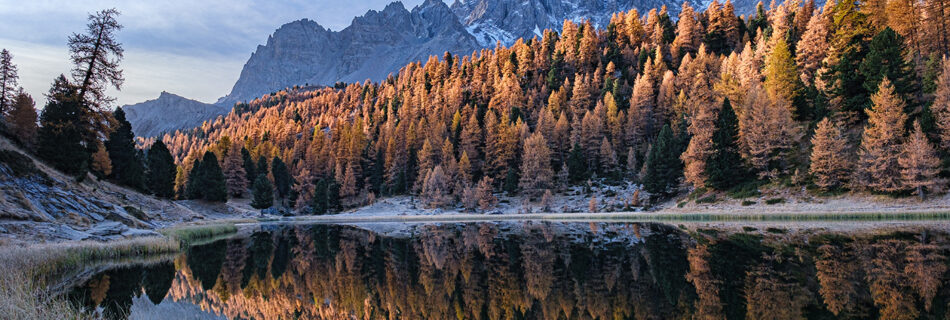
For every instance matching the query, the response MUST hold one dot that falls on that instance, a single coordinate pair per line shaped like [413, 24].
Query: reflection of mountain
[562, 271]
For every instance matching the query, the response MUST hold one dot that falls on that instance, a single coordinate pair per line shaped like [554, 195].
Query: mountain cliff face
[374, 45]
[169, 112]
[491, 21]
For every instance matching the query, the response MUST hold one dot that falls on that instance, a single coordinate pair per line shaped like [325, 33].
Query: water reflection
[538, 271]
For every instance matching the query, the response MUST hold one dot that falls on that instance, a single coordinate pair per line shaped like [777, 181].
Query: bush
[707, 199]
[775, 201]
[776, 230]
[748, 203]
[746, 190]
[19, 164]
[748, 229]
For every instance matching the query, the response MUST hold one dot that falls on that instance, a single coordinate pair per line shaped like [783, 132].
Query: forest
[846, 97]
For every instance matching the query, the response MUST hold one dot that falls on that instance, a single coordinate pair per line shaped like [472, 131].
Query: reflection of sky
[192, 48]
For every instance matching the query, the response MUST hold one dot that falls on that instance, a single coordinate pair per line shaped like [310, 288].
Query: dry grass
[28, 271]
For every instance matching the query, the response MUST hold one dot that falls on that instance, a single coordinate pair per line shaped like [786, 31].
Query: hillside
[38, 203]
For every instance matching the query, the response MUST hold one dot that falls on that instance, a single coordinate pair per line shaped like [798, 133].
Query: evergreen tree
[126, 166]
[725, 166]
[8, 82]
[250, 168]
[282, 178]
[194, 186]
[216, 189]
[511, 181]
[576, 164]
[262, 192]
[885, 59]
[941, 104]
[320, 195]
[848, 49]
[663, 167]
[262, 167]
[61, 137]
[161, 170]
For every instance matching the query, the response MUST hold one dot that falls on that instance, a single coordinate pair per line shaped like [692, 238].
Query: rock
[69, 233]
[169, 113]
[106, 229]
[135, 233]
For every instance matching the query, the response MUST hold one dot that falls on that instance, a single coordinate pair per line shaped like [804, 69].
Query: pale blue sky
[194, 48]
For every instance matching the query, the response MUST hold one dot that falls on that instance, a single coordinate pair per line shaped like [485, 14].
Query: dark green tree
[127, 168]
[885, 58]
[663, 167]
[215, 183]
[333, 195]
[160, 179]
[263, 193]
[61, 135]
[262, 167]
[511, 181]
[249, 166]
[282, 178]
[577, 164]
[319, 201]
[195, 184]
[851, 31]
[725, 166]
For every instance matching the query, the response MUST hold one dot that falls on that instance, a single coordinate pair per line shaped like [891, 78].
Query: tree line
[841, 97]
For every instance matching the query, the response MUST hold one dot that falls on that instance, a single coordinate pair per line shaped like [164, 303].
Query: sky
[193, 48]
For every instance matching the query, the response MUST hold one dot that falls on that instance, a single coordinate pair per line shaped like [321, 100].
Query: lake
[540, 270]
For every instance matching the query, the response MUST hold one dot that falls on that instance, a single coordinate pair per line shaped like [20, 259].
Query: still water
[538, 270]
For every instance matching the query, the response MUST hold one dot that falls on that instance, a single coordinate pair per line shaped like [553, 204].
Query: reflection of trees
[556, 271]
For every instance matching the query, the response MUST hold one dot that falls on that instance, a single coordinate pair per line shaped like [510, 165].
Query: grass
[707, 199]
[28, 271]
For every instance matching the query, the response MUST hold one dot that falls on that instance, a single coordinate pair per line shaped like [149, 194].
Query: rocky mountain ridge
[168, 113]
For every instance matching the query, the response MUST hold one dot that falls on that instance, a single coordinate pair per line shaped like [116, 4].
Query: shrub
[748, 202]
[707, 199]
[775, 201]
[776, 230]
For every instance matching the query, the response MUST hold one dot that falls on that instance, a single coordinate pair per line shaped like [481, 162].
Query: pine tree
[919, 163]
[847, 50]
[830, 165]
[234, 173]
[725, 166]
[885, 59]
[61, 136]
[576, 164]
[126, 166]
[282, 178]
[250, 168]
[8, 82]
[262, 192]
[663, 167]
[215, 185]
[320, 195]
[881, 141]
[161, 170]
[536, 172]
[23, 119]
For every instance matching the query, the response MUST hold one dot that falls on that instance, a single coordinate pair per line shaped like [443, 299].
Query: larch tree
[781, 75]
[436, 190]
[8, 82]
[882, 140]
[485, 194]
[919, 163]
[767, 131]
[234, 173]
[941, 104]
[812, 49]
[641, 112]
[23, 118]
[830, 165]
[536, 172]
[689, 33]
[101, 166]
[96, 55]
[160, 177]
[700, 146]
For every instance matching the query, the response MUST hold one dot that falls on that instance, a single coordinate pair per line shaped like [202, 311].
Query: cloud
[192, 48]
